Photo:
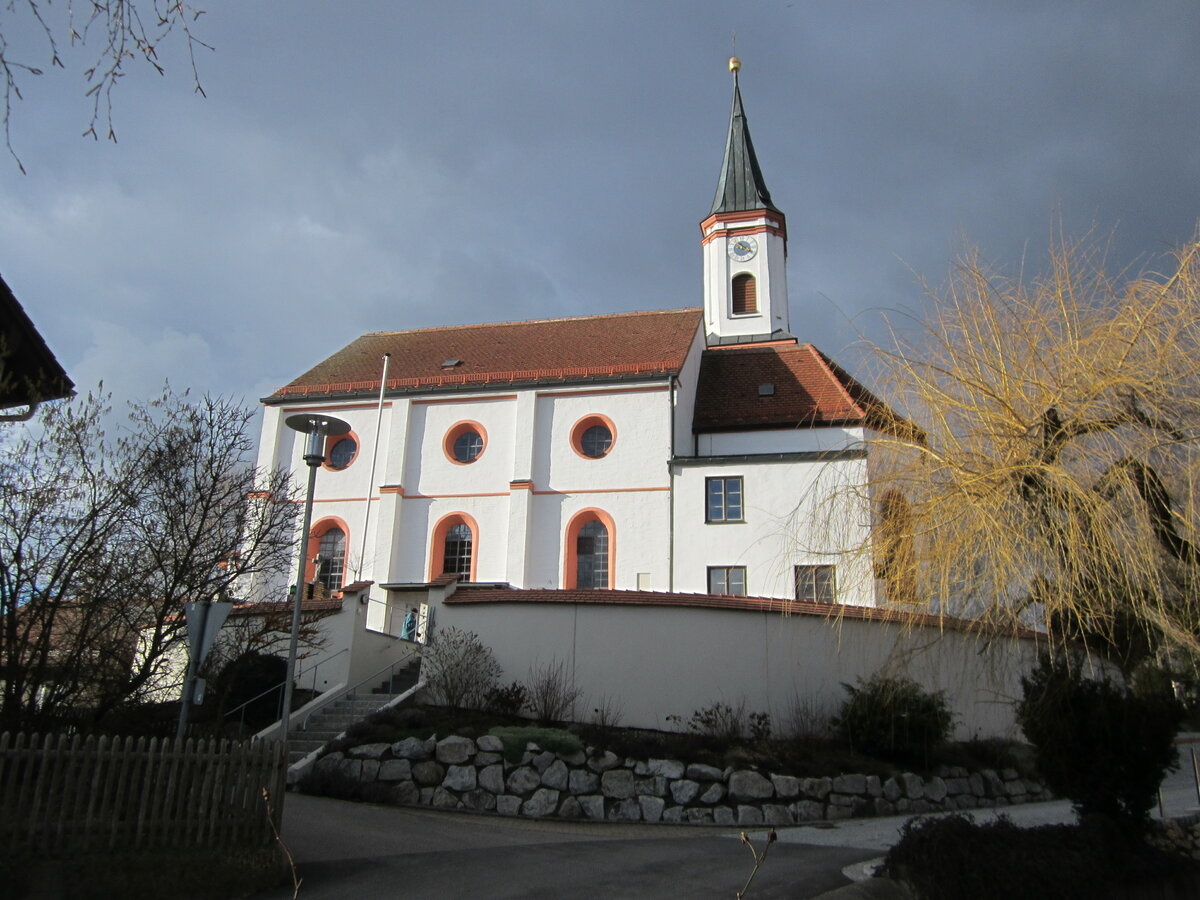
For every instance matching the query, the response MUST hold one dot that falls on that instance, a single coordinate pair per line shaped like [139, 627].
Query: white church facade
[704, 450]
[674, 505]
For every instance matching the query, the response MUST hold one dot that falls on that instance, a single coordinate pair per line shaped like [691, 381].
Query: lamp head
[318, 427]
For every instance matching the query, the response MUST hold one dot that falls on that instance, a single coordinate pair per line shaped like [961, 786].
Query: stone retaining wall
[1181, 835]
[461, 773]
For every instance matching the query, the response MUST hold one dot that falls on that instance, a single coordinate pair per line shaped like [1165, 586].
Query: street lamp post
[318, 429]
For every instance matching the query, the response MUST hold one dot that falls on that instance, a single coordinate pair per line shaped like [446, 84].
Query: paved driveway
[361, 850]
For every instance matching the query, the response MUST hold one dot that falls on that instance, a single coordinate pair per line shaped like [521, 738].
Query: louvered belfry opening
[745, 295]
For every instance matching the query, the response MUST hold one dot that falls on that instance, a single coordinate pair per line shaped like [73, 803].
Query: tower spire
[744, 239]
[741, 185]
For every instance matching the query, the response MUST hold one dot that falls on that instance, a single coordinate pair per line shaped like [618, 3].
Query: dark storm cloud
[381, 166]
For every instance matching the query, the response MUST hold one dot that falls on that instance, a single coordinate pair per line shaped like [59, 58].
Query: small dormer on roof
[744, 241]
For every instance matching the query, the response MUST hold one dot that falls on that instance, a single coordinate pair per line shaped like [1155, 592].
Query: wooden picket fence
[62, 795]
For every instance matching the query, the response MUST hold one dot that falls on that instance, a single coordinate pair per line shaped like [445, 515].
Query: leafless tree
[103, 540]
[114, 31]
[1054, 473]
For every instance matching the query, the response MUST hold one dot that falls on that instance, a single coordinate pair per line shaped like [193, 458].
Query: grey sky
[377, 166]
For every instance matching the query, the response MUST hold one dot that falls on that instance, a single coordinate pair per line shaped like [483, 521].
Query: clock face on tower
[742, 248]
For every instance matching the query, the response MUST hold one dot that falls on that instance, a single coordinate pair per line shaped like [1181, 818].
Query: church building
[704, 451]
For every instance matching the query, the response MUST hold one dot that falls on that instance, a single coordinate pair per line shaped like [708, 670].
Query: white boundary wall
[657, 661]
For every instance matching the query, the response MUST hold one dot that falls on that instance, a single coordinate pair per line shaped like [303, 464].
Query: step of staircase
[332, 721]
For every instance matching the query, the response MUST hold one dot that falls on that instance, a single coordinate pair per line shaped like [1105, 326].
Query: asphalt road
[362, 850]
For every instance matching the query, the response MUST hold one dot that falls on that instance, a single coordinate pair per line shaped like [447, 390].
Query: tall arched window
[897, 559]
[331, 558]
[453, 548]
[590, 551]
[591, 556]
[456, 558]
[745, 295]
[327, 544]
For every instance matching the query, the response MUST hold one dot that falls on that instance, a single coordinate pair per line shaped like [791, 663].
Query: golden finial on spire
[734, 64]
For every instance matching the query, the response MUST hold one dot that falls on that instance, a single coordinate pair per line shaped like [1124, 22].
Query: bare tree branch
[1056, 480]
[118, 31]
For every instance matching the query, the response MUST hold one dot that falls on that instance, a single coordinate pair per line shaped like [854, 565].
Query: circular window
[342, 453]
[468, 446]
[465, 443]
[595, 441]
[593, 436]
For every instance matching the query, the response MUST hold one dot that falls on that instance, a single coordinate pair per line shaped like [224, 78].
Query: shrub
[944, 858]
[807, 718]
[608, 712]
[245, 679]
[552, 695]
[459, 669]
[515, 737]
[760, 726]
[894, 717]
[508, 700]
[1103, 745]
[728, 723]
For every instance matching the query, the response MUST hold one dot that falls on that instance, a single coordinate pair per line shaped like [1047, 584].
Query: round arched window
[593, 437]
[465, 443]
[342, 453]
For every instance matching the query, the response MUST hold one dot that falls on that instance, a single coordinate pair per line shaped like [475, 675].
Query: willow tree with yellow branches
[1052, 476]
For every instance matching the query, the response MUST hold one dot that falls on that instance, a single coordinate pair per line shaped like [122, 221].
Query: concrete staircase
[330, 722]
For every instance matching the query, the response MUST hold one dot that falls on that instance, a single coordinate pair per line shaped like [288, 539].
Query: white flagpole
[374, 457]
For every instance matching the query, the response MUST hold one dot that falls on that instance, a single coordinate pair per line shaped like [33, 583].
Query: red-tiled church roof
[776, 386]
[547, 350]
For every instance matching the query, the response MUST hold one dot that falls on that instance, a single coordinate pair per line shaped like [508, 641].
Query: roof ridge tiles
[555, 319]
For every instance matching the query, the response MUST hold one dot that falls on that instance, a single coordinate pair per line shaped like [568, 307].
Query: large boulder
[581, 781]
[455, 750]
[543, 803]
[749, 785]
[413, 748]
[395, 770]
[368, 751]
[787, 787]
[427, 773]
[652, 808]
[604, 761]
[491, 778]
[460, 778]
[617, 784]
[684, 790]
[523, 780]
[555, 775]
[667, 768]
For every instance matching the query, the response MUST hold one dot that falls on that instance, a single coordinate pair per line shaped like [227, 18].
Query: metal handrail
[279, 686]
[416, 651]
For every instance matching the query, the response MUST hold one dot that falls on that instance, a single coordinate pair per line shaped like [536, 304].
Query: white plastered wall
[652, 662]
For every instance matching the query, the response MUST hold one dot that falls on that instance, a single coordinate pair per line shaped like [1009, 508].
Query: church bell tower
[744, 241]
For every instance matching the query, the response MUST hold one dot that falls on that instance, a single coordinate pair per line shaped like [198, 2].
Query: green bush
[515, 737]
[894, 717]
[948, 857]
[1103, 745]
[508, 700]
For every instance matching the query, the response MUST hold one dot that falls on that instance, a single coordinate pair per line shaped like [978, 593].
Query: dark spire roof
[741, 185]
